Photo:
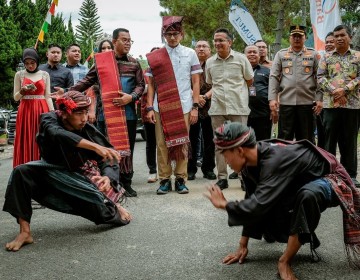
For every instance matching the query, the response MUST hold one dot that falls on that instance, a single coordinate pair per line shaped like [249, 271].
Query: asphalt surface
[171, 237]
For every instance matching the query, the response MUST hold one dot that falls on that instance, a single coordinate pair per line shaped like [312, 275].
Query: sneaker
[152, 178]
[222, 184]
[356, 182]
[165, 187]
[233, 175]
[198, 163]
[130, 192]
[180, 186]
[191, 176]
[209, 175]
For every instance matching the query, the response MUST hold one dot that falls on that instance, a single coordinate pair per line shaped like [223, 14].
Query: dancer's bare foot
[22, 239]
[285, 271]
[124, 214]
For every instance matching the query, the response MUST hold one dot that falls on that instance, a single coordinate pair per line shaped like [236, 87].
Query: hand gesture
[122, 100]
[58, 93]
[108, 154]
[216, 196]
[102, 182]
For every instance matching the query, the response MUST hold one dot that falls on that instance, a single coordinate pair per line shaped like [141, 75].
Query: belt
[33, 97]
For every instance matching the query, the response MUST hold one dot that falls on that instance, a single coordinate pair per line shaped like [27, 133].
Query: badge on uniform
[290, 63]
[252, 91]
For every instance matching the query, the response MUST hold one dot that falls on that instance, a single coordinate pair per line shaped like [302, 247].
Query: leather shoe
[233, 175]
[210, 175]
[191, 176]
[222, 183]
[130, 192]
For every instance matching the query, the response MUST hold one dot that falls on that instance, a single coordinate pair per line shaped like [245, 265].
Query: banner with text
[243, 22]
[325, 16]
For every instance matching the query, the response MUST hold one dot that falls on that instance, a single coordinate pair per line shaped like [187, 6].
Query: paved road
[171, 237]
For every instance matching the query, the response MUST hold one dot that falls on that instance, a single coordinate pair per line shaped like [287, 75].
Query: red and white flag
[325, 16]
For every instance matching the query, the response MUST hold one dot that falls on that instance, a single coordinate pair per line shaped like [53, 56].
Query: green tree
[89, 30]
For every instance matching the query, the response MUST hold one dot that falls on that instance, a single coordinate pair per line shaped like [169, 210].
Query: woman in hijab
[32, 89]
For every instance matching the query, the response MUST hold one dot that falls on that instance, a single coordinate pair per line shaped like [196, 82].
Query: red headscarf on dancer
[73, 101]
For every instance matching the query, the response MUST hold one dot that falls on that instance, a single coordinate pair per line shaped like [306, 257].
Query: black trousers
[296, 122]
[126, 178]
[150, 147]
[311, 200]
[60, 190]
[261, 126]
[341, 127]
[208, 163]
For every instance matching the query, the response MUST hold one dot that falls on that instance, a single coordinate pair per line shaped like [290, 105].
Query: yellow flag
[41, 36]
[56, 2]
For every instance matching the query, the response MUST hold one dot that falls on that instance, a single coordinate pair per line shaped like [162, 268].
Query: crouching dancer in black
[78, 173]
[288, 186]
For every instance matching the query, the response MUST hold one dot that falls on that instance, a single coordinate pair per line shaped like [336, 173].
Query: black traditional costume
[289, 188]
[58, 182]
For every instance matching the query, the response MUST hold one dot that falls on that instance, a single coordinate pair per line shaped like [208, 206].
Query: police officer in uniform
[292, 88]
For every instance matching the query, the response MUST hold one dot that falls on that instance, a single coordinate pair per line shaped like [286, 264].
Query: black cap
[297, 29]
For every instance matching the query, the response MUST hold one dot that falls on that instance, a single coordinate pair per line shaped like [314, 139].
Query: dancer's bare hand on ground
[102, 182]
[216, 196]
[239, 256]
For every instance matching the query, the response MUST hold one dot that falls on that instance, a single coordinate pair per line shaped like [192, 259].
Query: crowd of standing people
[231, 99]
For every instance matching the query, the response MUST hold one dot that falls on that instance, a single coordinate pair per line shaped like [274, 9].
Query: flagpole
[36, 44]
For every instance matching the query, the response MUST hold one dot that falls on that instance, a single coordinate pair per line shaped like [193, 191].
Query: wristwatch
[195, 106]
[150, 108]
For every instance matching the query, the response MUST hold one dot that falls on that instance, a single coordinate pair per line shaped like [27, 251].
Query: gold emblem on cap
[290, 63]
[305, 62]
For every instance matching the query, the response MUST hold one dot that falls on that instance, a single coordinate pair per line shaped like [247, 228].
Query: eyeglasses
[262, 47]
[201, 46]
[124, 41]
[170, 34]
[220, 41]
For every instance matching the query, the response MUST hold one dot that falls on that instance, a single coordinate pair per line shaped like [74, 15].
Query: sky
[142, 18]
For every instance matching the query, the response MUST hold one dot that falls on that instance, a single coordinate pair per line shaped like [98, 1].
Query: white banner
[325, 16]
[243, 22]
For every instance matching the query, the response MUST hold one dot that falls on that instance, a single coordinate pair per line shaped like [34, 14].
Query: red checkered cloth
[115, 118]
[91, 169]
[171, 113]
